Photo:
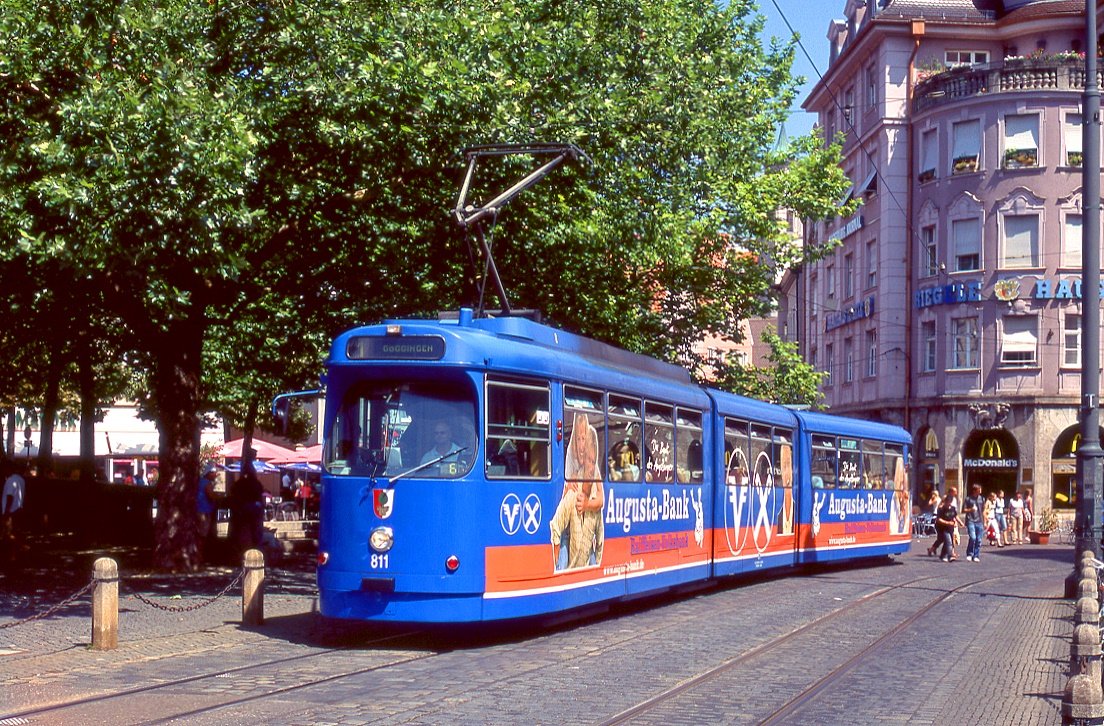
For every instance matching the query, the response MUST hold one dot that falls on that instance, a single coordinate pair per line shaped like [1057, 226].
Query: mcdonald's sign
[990, 455]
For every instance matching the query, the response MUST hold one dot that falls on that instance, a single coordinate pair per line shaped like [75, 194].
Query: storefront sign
[948, 294]
[858, 311]
[1062, 289]
[990, 456]
[852, 226]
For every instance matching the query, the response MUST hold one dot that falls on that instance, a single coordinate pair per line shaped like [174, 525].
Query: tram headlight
[381, 539]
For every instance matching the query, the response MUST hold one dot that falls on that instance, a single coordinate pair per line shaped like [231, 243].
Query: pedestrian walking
[946, 523]
[973, 511]
[1002, 520]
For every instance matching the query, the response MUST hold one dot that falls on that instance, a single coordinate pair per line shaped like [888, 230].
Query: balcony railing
[1014, 75]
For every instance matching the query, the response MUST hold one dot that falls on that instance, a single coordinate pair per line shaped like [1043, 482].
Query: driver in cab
[443, 445]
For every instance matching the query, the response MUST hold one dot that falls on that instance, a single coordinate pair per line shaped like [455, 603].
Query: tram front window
[387, 429]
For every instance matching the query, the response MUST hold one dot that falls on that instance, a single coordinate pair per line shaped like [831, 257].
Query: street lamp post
[1089, 453]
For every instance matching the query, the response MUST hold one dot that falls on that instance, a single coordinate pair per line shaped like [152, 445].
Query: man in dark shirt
[946, 519]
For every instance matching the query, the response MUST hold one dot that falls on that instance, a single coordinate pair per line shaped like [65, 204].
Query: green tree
[788, 379]
[238, 181]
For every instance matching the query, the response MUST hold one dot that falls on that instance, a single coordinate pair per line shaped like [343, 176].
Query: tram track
[807, 696]
[59, 709]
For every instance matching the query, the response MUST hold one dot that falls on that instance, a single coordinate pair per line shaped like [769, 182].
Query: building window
[848, 275]
[871, 264]
[965, 146]
[848, 109]
[1020, 339]
[1071, 340]
[967, 244]
[1073, 134]
[848, 360]
[830, 282]
[1021, 240]
[871, 352]
[829, 364]
[1071, 241]
[954, 58]
[929, 155]
[927, 334]
[1021, 141]
[965, 332]
[928, 255]
[871, 87]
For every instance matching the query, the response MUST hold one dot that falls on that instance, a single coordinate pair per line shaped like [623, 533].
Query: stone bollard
[1088, 572]
[1087, 588]
[1083, 703]
[105, 604]
[1086, 611]
[1085, 651]
[253, 588]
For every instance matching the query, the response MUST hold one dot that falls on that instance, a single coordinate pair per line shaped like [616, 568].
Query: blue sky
[809, 18]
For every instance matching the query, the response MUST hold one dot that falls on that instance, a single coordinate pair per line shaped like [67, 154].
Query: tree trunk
[87, 382]
[176, 388]
[49, 415]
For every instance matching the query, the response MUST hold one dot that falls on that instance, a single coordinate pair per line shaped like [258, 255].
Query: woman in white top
[1016, 517]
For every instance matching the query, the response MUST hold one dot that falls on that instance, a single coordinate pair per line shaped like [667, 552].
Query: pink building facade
[952, 303]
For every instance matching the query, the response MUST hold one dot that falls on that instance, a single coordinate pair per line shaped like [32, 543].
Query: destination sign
[424, 347]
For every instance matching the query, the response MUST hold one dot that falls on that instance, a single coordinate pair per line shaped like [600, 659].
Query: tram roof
[846, 425]
[514, 339]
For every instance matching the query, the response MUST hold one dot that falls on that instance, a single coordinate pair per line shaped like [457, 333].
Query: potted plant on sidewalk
[1042, 525]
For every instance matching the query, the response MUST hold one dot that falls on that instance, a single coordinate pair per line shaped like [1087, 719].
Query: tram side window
[850, 464]
[783, 457]
[584, 418]
[897, 468]
[688, 435]
[518, 428]
[762, 463]
[626, 434]
[873, 476]
[659, 439]
[824, 462]
[736, 453]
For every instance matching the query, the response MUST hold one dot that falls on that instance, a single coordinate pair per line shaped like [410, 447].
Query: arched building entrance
[991, 458]
[927, 466]
[1063, 468]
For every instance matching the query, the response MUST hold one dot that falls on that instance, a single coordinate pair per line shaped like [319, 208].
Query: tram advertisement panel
[859, 493]
[636, 509]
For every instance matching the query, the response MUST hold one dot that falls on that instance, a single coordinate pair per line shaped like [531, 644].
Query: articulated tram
[488, 468]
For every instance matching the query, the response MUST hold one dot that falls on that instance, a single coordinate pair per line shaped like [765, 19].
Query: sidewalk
[1010, 650]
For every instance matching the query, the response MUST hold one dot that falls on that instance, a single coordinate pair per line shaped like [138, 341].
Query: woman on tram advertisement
[578, 535]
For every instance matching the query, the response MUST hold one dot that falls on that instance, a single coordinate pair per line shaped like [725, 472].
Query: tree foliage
[787, 379]
[233, 183]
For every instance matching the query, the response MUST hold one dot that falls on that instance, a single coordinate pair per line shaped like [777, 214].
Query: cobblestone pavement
[992, 650]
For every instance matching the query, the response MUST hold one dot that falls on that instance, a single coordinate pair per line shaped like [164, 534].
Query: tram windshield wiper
[426, 465]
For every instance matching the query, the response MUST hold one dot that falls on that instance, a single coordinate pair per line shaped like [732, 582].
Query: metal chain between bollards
[188, 608]
[52, 609]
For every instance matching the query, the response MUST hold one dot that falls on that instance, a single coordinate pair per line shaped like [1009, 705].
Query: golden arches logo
[990, 449]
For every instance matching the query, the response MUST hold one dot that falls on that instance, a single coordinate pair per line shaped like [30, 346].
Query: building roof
[1044, 8]
[957, 10]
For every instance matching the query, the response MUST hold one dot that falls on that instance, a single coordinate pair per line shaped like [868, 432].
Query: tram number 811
[379, 561]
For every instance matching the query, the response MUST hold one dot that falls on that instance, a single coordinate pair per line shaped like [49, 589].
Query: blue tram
[478, 469]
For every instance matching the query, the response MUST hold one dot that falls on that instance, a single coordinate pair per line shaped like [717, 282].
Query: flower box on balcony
[964, 165]
[1073, 158]
[1021, 158]
[926, 176]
